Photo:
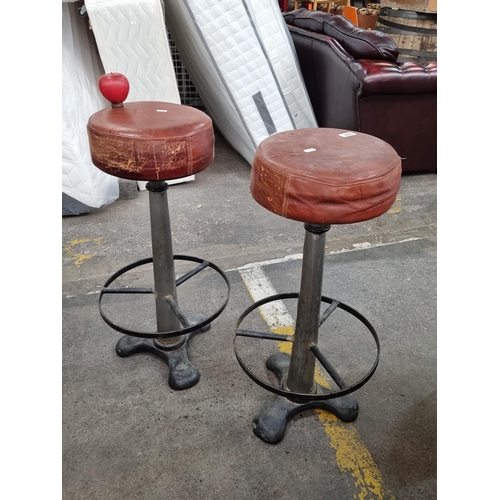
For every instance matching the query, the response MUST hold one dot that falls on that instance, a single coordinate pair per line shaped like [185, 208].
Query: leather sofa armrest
[382, 77]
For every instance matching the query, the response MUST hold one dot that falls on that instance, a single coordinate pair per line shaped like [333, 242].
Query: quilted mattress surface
[84, 187]
[132, 39]
[242, 61]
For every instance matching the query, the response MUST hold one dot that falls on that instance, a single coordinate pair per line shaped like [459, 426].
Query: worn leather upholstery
[318, 176]
[353, 82]
[150, 141]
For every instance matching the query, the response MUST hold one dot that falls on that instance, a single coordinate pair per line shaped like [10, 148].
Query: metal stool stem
[163, 260]
[303, 361]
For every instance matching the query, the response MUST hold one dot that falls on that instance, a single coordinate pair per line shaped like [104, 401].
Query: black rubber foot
[183, 374]
[270, 425]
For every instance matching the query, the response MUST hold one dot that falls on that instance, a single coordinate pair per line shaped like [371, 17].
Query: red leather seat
[151, 141]
[325, 176]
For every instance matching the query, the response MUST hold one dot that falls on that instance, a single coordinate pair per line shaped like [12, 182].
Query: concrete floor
[128, 435]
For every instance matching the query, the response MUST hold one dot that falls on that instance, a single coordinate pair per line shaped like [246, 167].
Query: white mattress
[85, 188]
[241, 59]
[132, 40]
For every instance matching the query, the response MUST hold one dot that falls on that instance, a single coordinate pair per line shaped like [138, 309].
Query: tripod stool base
[270, 425]
[183, 374]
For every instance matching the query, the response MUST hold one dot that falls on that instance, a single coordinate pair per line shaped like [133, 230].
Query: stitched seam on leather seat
[370, 208]
[286, 197]
[194, 134]
[189, 156]
[205, 155]
[124, 137]
[200, 159]
[313, 179]
[135, 138]
[341, 212]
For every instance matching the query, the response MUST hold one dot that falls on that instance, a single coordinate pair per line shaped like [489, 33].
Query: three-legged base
[183, 373]
[270, 425]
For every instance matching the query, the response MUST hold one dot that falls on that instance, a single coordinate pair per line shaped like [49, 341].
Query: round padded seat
[325, 175]
[151, 141]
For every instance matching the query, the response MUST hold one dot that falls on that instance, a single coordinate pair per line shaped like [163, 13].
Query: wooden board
[415, 33]
[415, 5]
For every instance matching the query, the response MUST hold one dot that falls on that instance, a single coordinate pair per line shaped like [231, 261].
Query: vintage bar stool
[320, 177]
[156, 142]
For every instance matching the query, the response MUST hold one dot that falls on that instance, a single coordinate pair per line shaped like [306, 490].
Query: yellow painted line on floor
[69, 249]
[397, 207]
[351, 454]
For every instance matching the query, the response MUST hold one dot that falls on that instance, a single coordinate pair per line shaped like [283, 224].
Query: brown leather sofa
[355, 82]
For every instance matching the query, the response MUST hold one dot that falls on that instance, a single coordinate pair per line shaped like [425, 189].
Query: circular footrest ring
[153, 335]
[298, 395]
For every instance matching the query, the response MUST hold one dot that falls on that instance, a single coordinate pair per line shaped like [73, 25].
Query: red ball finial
[114, 87]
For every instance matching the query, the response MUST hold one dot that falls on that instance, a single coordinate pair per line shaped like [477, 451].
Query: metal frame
[154, 335]
[316, 352]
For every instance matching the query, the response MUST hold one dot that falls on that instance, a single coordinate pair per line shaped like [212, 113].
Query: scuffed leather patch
[151, 141]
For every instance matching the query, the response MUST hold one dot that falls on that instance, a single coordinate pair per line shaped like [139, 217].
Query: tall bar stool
[156, 142]
[320, 177]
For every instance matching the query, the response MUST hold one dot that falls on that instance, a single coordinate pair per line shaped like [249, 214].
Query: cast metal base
[183, 374]
[270, 425]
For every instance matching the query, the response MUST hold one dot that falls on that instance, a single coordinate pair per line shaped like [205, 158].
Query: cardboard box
[366, 21]
[367, 16]
[415, 5]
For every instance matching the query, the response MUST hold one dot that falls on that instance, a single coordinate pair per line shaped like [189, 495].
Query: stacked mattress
[85, 188]
[241, 59]
[132, 39]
